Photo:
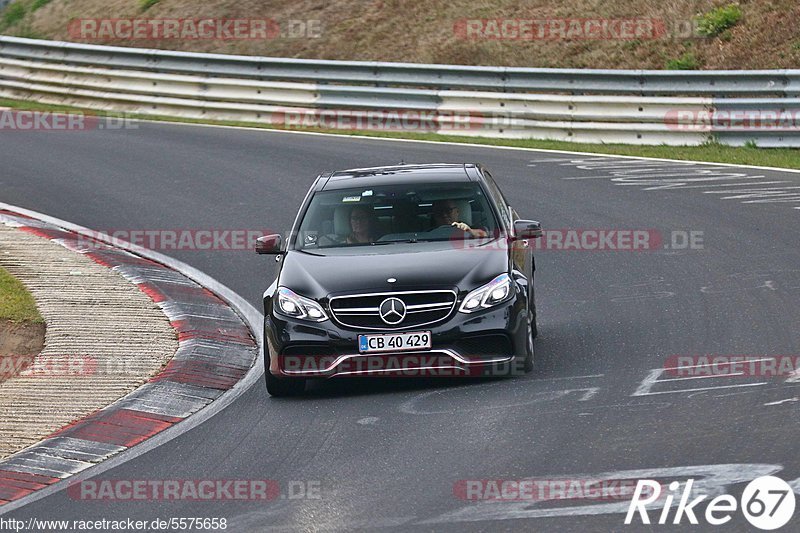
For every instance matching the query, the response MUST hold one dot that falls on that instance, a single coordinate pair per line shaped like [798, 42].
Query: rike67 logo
[767, 503]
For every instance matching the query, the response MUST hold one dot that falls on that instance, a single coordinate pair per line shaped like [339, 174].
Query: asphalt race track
[391, 454]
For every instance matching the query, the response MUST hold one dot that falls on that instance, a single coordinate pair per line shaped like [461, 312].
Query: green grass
[687, 61]
[27, 32]
[147, 4]
[38, 4]
[16, 303]
[12, 14]
[712, 152]
[719, 20]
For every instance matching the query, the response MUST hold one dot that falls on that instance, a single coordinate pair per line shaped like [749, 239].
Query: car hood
[414, 266]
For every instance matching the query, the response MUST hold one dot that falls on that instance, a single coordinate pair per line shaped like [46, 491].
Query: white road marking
[368, 420]
[647, 383]
[794, 377]
[732, 374]
[653, 175]
[711, 480]
[645, 388]
[759, 195]
[788, 400]
[591, 392]
[707, 186]
[737, 393]
[684, 391]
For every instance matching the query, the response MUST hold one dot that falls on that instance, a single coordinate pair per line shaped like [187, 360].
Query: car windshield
[405, 213]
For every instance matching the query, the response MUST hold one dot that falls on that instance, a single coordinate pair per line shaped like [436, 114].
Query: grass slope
[16, 303]
[755, 34]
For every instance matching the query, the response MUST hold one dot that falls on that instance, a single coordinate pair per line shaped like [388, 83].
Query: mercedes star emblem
[393, 311]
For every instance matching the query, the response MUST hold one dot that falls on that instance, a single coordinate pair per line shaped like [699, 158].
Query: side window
[499, 200]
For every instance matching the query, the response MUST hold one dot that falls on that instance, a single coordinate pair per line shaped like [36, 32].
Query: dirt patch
[19, 344]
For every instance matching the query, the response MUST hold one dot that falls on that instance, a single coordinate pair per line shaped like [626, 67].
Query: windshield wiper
[410, 240]
[378, 243]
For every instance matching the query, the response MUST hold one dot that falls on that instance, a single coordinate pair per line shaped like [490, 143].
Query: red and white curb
[218, 336]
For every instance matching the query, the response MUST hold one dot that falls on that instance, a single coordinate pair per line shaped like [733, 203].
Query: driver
[363, 225]
[446, 213]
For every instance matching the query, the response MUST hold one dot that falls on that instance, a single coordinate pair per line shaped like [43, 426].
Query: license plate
[394, 342]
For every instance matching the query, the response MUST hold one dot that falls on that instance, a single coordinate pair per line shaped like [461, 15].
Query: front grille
[362, 311]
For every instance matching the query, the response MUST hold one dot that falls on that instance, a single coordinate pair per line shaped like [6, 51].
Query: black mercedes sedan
[409, 270]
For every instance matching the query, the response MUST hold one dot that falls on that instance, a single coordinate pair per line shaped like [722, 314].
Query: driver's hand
[460, 225]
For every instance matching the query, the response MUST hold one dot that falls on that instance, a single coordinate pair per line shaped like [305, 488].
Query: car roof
[390, 175]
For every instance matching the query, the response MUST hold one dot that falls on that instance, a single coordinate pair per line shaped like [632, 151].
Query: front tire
[280, 388]
[532, 309]
[528, 364]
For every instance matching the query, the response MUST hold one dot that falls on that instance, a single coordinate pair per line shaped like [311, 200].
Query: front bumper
[489, 342]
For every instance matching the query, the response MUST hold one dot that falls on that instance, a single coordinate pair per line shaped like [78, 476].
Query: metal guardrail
[639, 107]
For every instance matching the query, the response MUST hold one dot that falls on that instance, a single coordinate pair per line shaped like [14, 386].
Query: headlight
[296, 306]
[495, 292]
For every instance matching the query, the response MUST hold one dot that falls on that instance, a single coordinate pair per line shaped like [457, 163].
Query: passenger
[363, 225]
[446, 213]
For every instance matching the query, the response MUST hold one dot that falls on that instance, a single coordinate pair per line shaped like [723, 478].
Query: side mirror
[527, 229]
[269, 245]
